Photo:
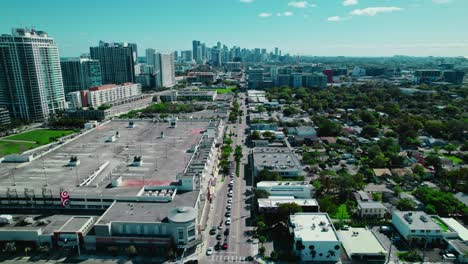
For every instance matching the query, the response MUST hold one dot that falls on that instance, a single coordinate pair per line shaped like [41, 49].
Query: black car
[228, 214]
[226, 232]
[218, 246]
[218, 237]
[213, 230]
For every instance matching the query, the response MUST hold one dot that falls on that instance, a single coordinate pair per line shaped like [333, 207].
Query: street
[240, 247]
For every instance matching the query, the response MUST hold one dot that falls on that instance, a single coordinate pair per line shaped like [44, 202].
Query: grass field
[225, 90]
[455, 159]
[342, 212]
[33, 139]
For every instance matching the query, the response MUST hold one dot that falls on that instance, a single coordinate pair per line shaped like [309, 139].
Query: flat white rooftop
[275, 201]
[360, 241]
[313, 227]
[282, 183]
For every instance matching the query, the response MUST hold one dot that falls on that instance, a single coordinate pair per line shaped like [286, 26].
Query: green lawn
[225, 90]
[7, 148]
[342, 212]
[455, 159]
[39, 136]
[441, 224]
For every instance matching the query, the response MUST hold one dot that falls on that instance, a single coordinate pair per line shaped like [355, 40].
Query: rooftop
[163, 159]
[313, 227]
[147, 212]
[360, 241]
[371, 205]
[282, 183]
[417, 220]
[275, 159]
[275, 201]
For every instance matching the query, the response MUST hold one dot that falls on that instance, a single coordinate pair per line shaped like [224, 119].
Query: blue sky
[313, 27]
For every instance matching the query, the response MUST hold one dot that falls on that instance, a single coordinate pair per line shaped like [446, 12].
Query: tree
[287, 209]
[255, 135]
[261, 250]
[397, 190]
[327, 128]
[267, 175]
[370, 131]
[419, 170]
[406, 204]
[450, 148]
[327, 204]
[261, 194]
[131, 250]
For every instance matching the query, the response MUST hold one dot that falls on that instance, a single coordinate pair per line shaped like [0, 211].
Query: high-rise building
[150, 56]
[216, 57]
[31, 84]
[196, 50]
[117, 61]
[165, 71]
[187, 55]
[255, 78]
[80, 74]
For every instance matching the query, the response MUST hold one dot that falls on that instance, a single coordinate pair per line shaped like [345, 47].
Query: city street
[239, 243]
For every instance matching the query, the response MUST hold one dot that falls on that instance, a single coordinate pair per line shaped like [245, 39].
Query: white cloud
[335, 18]
[439, 2]
[350, 2]
[301, 4]
[246, 1]
[264, 15]
[372, 11]
[287, 13]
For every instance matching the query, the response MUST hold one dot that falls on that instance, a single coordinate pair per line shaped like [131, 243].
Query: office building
[272, 203]
[31, 85]
[417, 226]
[454, 77]
[150, 58]
[187, 56]
[255, 78]
[80, 74]
[197, 51]
[315, 237]
[4, 117]
[164, 70]
[362, 246]
[300, 190]
[117, 61]
[216, 57]
[274, 159]
[188, 95]
[101, 95]
[368, 208]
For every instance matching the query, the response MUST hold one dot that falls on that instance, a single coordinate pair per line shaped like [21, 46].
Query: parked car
[209, 251]
[218, 245]
[230, 194]
[228, 207]
[219, 236]
[227, 214]
[228, 221]
[213, 230]
[226, 232]
[230, 200]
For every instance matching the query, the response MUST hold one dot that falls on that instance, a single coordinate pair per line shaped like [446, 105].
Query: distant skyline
[313, 27]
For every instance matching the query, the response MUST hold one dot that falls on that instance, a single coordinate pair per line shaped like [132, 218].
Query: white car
[230, 200]
[228, 207]
[230, 194]
[228, 221]
[209, 251]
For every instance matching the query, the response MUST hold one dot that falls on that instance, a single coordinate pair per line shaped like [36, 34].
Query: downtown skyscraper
[80, 74]
[164, 70]
[117, 61]
[31, 85]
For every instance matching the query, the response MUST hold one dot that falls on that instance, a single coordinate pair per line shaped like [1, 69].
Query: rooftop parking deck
[101, 161]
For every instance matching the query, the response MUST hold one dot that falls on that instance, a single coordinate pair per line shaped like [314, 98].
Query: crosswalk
[219, 258]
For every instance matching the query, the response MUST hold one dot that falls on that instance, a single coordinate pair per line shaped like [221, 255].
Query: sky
[313, 27]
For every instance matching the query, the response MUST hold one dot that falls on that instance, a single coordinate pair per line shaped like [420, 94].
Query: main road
[240, 247]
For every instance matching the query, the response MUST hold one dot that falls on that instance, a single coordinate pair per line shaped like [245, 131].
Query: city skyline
[313, 28]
